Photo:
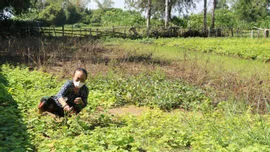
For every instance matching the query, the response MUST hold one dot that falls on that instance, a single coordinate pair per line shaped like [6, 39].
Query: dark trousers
[49, 104]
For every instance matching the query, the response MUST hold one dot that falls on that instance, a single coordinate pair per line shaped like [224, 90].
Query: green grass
[247, 48]
[194, 49]
[229, 127]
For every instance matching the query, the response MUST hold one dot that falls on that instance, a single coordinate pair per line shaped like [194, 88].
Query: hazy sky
[121, 4]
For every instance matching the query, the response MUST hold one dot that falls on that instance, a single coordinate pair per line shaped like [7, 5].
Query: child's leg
[48, 104]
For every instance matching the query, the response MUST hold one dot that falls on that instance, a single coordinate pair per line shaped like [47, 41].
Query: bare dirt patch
[128, 110]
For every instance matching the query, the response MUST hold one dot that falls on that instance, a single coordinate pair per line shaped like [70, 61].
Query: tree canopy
[229, 13]
[18, 5]
[251, 10]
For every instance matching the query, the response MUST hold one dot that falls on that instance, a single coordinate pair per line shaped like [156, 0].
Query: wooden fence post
[72, 30]
[63, 30]
[266, 33]
[90, 32]
[113, 31]
[232, 31]
[252, 34]
[258, 33]
[80, 32]
[54, 31]
[125, 32]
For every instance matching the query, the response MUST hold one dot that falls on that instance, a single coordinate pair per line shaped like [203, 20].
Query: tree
[251, 10]
[148, 16]
[72, 13]
[222, 4]
[158, 7]
[166, 13]
[53, 14]
[142, 6]
[105, 4]
[205, 16]
[213, 14]
[18, 5]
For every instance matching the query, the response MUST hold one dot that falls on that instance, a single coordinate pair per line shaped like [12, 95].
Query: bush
[53, 14]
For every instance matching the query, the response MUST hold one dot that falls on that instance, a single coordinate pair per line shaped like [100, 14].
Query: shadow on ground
[13, 132]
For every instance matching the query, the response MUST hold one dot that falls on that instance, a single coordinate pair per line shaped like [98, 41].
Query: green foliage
[86, 16]
[150, 90]
[19, 5]
[224, 18]
[247, 48]
[182, 22]
[118, 17]
[96, 17]
[251, 11]
[53, 14]
[225, 128]
[115, 17]
[13, 135]
[72, 14]
[195, 21]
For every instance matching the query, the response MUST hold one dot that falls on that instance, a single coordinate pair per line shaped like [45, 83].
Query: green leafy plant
[224, 128]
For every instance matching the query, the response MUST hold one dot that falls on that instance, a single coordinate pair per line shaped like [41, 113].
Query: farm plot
[195, 127]
[246, 48]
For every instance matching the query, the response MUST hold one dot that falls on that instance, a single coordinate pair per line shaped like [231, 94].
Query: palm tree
[104, 4]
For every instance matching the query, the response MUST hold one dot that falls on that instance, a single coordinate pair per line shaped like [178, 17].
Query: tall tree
[213, 14]
[142, 6]
[205, 16]
[148, 16]
[158, 6]
[166, 13]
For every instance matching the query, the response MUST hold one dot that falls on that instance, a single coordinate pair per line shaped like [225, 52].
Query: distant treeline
[241, 14]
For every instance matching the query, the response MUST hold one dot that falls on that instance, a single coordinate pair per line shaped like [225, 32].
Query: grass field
[184, 99]
[223, 54]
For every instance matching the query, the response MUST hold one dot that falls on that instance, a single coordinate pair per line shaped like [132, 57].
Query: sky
[121, 4]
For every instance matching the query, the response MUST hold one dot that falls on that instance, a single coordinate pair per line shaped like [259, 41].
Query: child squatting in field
[71, 98]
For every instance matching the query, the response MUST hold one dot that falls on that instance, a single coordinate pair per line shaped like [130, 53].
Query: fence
[123, 31]
[136, 32]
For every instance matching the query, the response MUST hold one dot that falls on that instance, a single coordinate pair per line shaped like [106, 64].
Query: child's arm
[61, 94]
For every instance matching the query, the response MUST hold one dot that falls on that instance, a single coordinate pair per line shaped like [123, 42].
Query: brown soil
[128, 110]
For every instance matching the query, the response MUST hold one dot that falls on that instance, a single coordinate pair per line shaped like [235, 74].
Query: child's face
[79, 76]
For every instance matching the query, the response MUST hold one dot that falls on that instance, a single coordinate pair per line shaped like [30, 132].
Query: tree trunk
[204, 17]
[170, 10]
[213, 14]
[166, 13]
[148, 16]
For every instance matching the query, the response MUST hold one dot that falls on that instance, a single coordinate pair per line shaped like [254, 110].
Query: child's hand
[67, 108]
[78, 100]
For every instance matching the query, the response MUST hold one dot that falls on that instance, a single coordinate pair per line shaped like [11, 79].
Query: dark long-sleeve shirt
[67, 92]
